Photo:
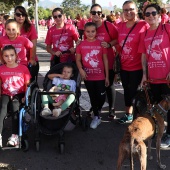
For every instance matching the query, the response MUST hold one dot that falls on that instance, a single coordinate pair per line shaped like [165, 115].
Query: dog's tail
[131, 153]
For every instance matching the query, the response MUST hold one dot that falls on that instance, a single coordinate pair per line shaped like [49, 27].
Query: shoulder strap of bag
[129, 33]
[166, 31]
[105, 24]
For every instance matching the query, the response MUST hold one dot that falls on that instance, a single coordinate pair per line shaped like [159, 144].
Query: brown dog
[141, 129]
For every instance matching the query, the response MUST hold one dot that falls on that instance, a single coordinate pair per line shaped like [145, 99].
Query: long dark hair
[27, 23]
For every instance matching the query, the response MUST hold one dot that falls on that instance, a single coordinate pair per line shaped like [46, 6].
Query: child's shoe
[13, 140]
[95, 122]
[57, 112]
[46, 111]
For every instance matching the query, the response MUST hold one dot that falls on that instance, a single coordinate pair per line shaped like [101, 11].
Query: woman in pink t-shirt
[28, 30]
[14, 79]
[60, 39]
[155, 49]
[129, 33]
[21, 44]
[107, 34]
[92, 62]
[164, 16]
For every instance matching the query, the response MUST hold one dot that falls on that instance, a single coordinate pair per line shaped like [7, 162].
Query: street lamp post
[36, 15]
[93, 2]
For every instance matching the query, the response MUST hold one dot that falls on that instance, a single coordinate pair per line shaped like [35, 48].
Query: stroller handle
[58, 92]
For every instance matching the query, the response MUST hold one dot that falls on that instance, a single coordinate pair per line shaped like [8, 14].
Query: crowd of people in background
[138, 41]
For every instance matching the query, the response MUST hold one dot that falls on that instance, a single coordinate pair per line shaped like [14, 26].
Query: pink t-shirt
[31, 35]
[69, 21]
[130, 58]
[62, 40]
[1, 30]
[164, 18]
[92, 59]
[82, 23]
[43, 22]
[13, 79]
[103, 35]
[21, 44]
[157, 52]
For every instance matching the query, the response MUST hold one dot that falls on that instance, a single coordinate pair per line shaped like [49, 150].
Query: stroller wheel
[24, 145]
[61, 147]
[37, 146]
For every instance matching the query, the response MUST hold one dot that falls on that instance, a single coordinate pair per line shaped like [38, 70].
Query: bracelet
[109, 45]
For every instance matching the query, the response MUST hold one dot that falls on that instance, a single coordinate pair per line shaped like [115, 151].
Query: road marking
[84, 98]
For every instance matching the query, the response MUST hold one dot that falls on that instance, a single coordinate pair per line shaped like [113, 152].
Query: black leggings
[96, 91]
[110, 90]
[13, 105]
[158, 90]
[130, 82]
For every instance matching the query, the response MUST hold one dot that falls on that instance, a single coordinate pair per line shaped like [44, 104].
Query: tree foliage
[42, 13]
[8, 4]
[73, 7]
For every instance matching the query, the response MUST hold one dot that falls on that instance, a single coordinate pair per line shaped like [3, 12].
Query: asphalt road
[84, 150]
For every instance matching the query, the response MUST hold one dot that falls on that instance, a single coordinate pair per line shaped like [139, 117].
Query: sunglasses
[57, 16]
[20, 14]
[96, 12]
[128, 10]
[147, 14]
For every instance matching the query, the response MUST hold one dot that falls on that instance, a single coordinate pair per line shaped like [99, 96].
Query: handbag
[117, 64]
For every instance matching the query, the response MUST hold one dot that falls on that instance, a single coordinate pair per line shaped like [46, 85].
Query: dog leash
[149, 105]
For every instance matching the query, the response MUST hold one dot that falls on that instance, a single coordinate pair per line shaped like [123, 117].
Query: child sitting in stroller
[61, 82]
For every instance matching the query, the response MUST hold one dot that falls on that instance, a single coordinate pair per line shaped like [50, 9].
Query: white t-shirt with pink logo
[92, 59]
[13, 79]
[21, 44]
[157, 52]
[130, 57]
[62, 40]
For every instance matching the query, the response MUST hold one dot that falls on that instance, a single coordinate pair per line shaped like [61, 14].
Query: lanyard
[152, 40]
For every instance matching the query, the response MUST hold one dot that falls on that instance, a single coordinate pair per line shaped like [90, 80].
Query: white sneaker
[13, 140]
[46, 111]
[95, 122]
[57, 112]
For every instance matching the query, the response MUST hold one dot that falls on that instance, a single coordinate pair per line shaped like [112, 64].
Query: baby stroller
[26, 110]
[50, 125]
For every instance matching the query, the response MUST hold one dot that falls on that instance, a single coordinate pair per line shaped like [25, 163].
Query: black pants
[96, 91]
[34, 72]
[110, 90]
[14, 105]
[158, 90]
[81, 32]
[130, 82]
